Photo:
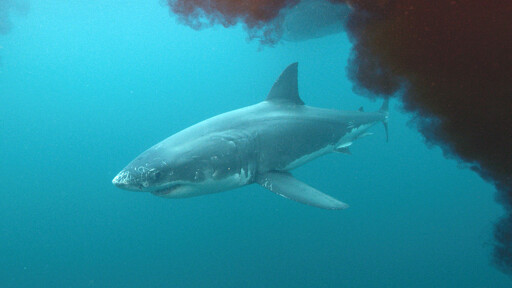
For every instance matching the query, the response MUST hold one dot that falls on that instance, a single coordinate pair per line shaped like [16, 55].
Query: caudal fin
[384, 109]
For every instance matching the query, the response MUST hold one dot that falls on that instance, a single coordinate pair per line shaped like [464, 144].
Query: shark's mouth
[167, 190]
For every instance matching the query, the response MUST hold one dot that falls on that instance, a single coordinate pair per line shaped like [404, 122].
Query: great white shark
[255, 144]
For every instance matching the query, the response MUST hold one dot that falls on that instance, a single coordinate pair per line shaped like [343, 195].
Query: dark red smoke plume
[255, 15]
[451, 61]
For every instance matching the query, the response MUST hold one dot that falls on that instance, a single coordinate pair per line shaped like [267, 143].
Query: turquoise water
[86, 87]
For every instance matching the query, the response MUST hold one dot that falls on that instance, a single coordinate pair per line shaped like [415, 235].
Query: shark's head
[150, 172]
[197, 167]
[163, 172]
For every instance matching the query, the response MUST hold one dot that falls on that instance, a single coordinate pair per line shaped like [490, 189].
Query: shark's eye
[157, 175]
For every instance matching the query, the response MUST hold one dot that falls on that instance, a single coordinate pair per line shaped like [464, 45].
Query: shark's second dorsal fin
[286, 90]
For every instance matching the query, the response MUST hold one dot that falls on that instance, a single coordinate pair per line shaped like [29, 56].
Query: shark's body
[311, 19]
[255, 144]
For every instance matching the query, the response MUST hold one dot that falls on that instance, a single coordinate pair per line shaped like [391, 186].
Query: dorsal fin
[286, 87]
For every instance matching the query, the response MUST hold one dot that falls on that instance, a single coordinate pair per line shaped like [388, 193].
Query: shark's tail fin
[384, 109]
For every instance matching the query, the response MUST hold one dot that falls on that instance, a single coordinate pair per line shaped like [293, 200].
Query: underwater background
[85, 86]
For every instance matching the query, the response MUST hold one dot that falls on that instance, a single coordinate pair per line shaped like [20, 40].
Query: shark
[311, 19]
[258, 144]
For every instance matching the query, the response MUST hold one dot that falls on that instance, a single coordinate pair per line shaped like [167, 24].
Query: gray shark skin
[311, 19]
[255, 144]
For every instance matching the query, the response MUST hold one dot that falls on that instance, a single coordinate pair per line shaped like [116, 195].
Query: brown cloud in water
[257, 16]
[454, 62]
[451, 59]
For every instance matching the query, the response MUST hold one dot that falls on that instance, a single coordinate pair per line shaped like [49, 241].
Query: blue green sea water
[85, 86]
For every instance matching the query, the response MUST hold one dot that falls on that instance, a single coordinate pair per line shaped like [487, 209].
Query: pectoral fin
[344, 150]
[283, 183]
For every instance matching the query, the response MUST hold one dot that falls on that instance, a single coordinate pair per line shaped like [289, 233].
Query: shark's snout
[125, 180]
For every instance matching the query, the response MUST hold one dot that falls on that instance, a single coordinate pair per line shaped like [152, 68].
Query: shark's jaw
[167, 190]
[183, 189]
